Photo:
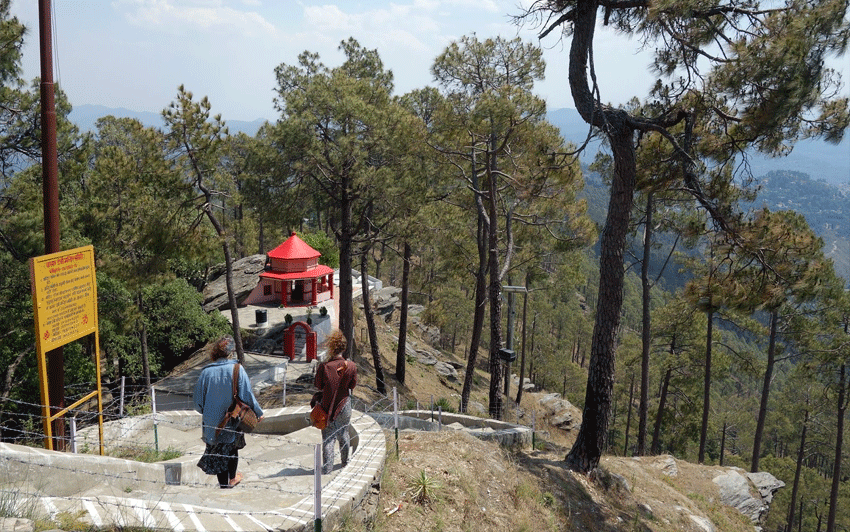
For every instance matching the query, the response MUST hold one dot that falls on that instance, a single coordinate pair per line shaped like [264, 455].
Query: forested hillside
[683, 310]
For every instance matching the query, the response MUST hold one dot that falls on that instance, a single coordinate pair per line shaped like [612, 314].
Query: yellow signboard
[64, 296]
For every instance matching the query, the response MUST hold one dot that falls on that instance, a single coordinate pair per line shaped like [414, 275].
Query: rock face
[428, 358]
[246, 275]
[735, 491]
[560, 412]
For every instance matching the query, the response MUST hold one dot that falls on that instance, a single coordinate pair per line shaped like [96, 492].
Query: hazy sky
[135, 53]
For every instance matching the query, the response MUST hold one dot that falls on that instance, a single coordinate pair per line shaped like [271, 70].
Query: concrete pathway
[277, 492]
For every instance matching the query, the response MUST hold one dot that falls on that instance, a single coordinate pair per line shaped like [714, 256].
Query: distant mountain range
[817, 159]
[85, 117]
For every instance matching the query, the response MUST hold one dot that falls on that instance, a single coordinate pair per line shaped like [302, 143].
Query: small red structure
[294, 277]
[289, 341]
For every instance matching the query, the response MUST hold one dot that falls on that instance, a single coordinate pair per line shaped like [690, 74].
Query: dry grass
[475, 485]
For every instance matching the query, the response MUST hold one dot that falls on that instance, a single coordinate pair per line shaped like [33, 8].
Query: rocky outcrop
[736, 490]
[425, 357]
[560, 412]
[246, 275]
[527, 385]
[667, 465]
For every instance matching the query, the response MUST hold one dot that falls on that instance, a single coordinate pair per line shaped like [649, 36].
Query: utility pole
[50, 187]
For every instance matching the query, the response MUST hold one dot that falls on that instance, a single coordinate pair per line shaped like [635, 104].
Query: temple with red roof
[293, 277]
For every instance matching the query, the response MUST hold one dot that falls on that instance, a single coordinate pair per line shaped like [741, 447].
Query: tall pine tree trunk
[143, 339]
[789, 524]
[370, 325]
[706, 389]
[765, 392]
[646, 336]
[839, 444]
[480, 295]
[591, 439]
[629, 417]
[662, 402]
[345, 294]
[401, 354]
[494, 293]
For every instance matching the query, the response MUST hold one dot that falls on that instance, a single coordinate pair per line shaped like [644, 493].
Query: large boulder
[735, 491]
[446, 370]
[246, 275]
[385, 300]
[561, 413]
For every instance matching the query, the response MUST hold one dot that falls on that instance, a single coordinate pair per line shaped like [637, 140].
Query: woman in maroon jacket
[336, 377]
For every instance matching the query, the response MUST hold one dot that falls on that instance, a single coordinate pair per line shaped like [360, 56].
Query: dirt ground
[451, 481]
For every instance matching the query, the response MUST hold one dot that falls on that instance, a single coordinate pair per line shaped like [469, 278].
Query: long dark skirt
[217, 456]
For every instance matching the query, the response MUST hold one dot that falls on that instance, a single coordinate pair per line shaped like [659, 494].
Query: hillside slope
[474, 485]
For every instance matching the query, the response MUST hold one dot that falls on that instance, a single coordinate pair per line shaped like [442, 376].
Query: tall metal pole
[511, 290]
[510, 342]
[50, 184]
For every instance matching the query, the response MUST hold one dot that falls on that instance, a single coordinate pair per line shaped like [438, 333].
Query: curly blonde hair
[336, 342]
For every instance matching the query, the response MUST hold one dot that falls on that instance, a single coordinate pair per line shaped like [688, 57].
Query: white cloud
[210, 16]
[330, 18]
[487, 5]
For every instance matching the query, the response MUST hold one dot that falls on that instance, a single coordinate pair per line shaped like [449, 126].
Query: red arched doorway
[289, 340]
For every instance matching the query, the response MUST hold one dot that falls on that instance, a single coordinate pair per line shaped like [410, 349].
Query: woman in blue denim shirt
[213, 396]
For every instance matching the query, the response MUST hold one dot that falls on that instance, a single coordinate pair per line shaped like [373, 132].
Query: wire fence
[131, 422]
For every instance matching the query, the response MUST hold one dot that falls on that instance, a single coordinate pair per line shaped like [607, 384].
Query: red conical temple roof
[294, 248]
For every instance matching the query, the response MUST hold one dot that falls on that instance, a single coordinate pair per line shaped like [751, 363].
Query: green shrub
[445, 404]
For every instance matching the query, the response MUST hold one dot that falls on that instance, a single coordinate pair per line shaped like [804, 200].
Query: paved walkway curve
[276, 494]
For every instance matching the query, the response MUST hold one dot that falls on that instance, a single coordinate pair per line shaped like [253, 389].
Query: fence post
[395, 418]
[74, 434]
[155, 423]
[121, 404]
[317, 489]
[533, 426]
[285, 366]
[440, 419]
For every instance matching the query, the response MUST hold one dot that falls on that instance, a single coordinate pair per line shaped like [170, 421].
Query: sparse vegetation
[147, 455]
[424, 488]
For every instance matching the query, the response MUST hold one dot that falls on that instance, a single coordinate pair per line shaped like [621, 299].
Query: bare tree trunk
[839, 444]
[346, 301]
[590, 442]
[370, 325]
[401, 354]
[629, 417]
[765, 392]
[143, 337]
[494, 293]
[231, 297]
[706, 389]
[261, 237]
[646, 337]
[378, 260]
[480, 297]
[789, 524]
[662, 401]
